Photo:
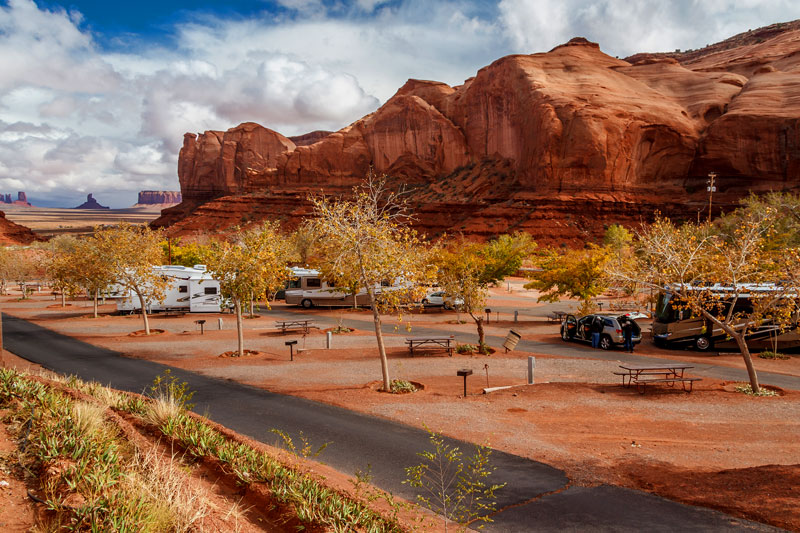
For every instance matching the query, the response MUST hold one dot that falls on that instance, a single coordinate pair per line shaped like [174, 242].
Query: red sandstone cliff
[557, 143]
[11, 233]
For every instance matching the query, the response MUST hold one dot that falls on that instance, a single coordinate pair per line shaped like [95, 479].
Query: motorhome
[308, 289]
[675, 325]
[190, 289]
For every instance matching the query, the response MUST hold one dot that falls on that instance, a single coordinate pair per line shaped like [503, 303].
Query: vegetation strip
[93, 480]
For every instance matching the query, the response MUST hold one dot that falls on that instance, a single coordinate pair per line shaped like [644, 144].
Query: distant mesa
[90, 203]
[158, 198]
[22, 199]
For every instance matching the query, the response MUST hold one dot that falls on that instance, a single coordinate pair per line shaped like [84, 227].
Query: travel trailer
[190, 289]
[308, 289]
[674, 325]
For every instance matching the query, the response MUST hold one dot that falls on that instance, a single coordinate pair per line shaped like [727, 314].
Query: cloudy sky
[95, 96]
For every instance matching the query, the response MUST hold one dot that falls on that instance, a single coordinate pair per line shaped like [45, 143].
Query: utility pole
[711, 190]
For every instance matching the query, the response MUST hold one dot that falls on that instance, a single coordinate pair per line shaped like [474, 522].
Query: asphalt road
[537, 497]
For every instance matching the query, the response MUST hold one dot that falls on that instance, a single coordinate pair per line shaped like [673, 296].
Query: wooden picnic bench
[286, 325]
[446, 343]
[556, 316]
[669, 373]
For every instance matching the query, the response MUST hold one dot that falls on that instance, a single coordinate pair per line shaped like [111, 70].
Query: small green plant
[305, 450]
[745, 388]
[454, 486]
[485, 350]
[401, 386]
[769, 354]
[465, 348]
[168, 386]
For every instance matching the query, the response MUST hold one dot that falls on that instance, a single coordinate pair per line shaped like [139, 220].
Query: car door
[569, 328]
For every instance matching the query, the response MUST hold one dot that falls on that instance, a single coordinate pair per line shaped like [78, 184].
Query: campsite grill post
[465, 372]
[291, 344]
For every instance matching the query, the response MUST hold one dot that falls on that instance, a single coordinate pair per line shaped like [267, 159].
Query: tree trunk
[481, 334]
[387, 386]
[748, 362]
[237, 305]
[63, 297]
[144, 314]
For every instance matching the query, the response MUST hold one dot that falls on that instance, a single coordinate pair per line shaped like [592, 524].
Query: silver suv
[580, 329]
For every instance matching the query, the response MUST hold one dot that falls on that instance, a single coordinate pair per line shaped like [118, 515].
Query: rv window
[293, 284]
[183, 288]
[313, 283]
[211, 290]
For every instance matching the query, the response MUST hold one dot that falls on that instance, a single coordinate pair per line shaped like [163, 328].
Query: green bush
[465, 348]
[746, 388]
[769, 354]
[401, 386]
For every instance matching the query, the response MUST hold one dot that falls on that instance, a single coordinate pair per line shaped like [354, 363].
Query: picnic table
[447, 343]
[557, 316]
[642, 375]
[285, 325]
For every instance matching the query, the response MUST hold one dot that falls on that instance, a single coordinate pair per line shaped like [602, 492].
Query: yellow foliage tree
[253, 263]
[709, 269]
[130, 253]
[365, 242]
[575, 274]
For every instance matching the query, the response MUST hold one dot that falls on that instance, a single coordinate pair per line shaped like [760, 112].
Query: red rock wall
[529, 128]
[159, 197]
[11, 233]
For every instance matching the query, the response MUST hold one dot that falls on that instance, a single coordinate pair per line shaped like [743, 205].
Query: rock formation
[158, 198]
[90, 203]
[556, 143]
[22, 199]
[11, 233]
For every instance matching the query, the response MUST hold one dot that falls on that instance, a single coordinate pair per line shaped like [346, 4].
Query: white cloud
[624, 28]
[76, 118]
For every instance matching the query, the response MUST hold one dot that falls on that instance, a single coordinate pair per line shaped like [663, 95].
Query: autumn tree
[177, 252]
[466, 270]
[576, 274]
[94, 271]
[709, 269]
[304, 239]
[365, 241]
[252, 263]
[61, 266]
[130, 253]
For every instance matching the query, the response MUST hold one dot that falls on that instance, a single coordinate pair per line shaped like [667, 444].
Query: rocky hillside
[557, 144]
[11, 233]
[158, 198]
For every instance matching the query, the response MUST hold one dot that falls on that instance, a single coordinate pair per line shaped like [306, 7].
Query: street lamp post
[711, 190]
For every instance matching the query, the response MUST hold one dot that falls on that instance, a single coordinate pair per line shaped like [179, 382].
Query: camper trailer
[190, 289]
[308, 289]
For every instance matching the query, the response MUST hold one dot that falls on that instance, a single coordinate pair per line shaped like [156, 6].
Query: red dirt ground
[712, 447]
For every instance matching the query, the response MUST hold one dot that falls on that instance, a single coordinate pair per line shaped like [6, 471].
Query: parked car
[440, 299]
[580, 329]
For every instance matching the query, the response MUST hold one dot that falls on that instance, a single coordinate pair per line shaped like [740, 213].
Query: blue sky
[96, 96]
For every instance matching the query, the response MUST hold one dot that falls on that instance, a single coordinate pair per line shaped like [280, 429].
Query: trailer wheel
[703, 343]
[307, 304]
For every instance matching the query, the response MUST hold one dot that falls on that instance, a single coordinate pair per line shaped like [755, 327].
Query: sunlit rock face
[559, 144]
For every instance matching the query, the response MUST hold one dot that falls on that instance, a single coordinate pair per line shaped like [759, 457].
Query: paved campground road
[537, 497]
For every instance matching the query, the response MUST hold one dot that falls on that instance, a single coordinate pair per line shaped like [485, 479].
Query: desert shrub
[745, 388]
[769, 354]
[401, 386]
[465, 348]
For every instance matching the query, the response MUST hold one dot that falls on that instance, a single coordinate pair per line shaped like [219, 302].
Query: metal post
[711, 190]
[328, 340]
[531, 366]
[219, 323]
[516, 315]
[291, 344]
[486, 367]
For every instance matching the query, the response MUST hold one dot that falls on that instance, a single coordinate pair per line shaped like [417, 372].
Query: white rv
[308, 289]
[190, 289]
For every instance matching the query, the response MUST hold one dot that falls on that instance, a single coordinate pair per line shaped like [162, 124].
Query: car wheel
[446, 306]
[606, 343]
[564, 334]
[703, 343]
[425, 302]
[307, 304]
